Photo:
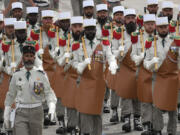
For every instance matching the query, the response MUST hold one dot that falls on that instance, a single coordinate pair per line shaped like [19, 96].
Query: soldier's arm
[48, 91]
[12, 92]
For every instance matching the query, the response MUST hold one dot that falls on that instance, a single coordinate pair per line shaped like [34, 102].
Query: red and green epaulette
[35, 34]
[117, 33]
[5, 46]
[172, 26]
[134, 37]
[140, 20]
[75, 45]
[148, 42]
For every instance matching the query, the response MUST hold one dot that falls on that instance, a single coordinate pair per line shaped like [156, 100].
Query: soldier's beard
[29, 64]
[90, 35]
[163, 35]
[130, 27]
[170, 17]
[119, 21]
[89, 15]
[102, 20]
[76, 35]
[32, 21]
[21, 39]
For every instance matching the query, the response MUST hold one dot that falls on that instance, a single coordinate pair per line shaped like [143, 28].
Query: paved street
[108, 128]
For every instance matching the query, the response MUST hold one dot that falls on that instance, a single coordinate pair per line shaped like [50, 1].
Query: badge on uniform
[98, 56]
[38, 88]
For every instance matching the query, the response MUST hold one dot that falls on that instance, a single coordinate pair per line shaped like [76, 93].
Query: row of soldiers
[137, 57]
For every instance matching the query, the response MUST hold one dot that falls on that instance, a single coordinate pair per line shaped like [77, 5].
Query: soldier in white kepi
[32, 18]
[28, 87]
[88, 9]
[152, 6]
[17, 10]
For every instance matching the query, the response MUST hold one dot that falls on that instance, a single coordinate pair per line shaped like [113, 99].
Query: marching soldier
[161, 60]
[152, 6]
[1, 38]
[32, 18]
[9, 32]
[88, 9]
[89, 65]
[103, 30]
[28, 117]
[118, 17]
[70, 83]
[144, 75]
[62, 59]
[126, 77]
[17, 11]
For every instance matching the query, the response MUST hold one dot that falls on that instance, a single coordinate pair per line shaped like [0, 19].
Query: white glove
[87, 61]
[7, 113]
[83, 65]
[138, 59]
[56, 49]
[121, 48]
[113, 68]
[150, 64]
[116, 53]
[67, 55]
[61, 59]
[13, 65]
[52, 109]
[40, 52]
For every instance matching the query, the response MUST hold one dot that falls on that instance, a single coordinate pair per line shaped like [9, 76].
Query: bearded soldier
[32, 18]
[165, 54]
[152, 6]
[144, 75]
[167, 10]
[88, 9]
[17, 11]
[62, 58]
[89, 99]
[9, 31]
[126, 77]
[27, 88]
[103, 30]
[118, 17]
[70, 83]
[1, 61]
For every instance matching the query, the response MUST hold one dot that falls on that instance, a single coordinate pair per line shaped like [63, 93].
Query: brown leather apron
[126, 85]
[90, 95]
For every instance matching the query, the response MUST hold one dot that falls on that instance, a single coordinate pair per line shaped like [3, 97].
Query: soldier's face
[32, 18]
[102, 14]
[90, 32]
[153, 9]
[130, 18]
[64, 24]
[168, 12]
[149, 27]
[28, 60]
[163, 30]
[47, 21]
[17, 13]
[9, 30]
[21, 35]
[1, 25]
[119, 17]
[76, 31]
[88, 12]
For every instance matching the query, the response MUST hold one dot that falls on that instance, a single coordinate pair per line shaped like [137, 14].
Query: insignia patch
[38, 88]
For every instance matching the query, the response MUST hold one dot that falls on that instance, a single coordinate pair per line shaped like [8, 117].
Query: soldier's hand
[52, 109]
[7, 112]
